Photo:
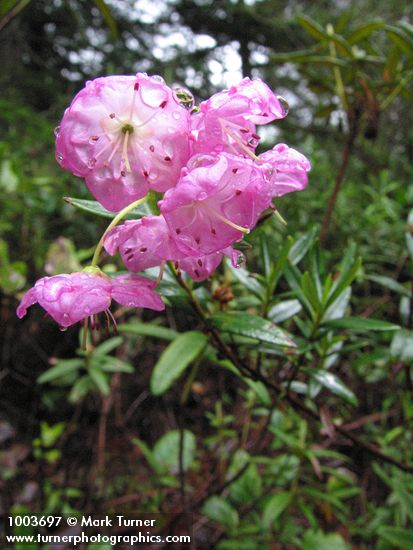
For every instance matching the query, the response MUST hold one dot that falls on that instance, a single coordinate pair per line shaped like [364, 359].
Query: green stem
[114, 222]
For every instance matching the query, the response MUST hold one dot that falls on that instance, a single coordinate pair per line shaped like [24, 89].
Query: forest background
[267, 446]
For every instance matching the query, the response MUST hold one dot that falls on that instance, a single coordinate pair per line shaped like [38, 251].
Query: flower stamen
[228, 222]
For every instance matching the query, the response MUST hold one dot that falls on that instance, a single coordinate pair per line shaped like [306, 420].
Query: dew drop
[63, 329]
[91, 162]
[56, 131]
[158, 78]
[59, 157]
[239, 261]
[153, 175]
[184, 98]
[176, 115]
[284, 104]
[93, 139]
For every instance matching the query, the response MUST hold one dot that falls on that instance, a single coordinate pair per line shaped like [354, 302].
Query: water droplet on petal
[153, 175]
[63, 329]
[157, 78]
[93, 139]
[59, 157]
[176, 115]
[91, 162]
[284, 104]
[184, 98]
[56, 131]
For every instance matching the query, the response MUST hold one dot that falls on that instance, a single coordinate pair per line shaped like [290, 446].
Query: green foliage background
[274, 402]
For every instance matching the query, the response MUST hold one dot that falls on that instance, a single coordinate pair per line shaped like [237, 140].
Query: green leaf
[115, 366]
[389, 283]
[219, 510]
[148, 329]
[401, 538]
[310, 291]
[253, 326]
[175, 359]
[313, 28]
[306, 57]
[284, 310]
[260, 390]
[348, 272]
[108, 346]
[278, 267]
[317, 540]
[332, 383]
[108, 17]
[247, 280]
[400, 38]
[359, 324]
[274, 507]
[337, 309]
[96, 208]
[364, 31]
[166, 451]
[247, 487]
[302, 245]
[99, 379]
[402, 345]
[62, 368]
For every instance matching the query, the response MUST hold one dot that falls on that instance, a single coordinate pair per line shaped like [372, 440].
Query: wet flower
[124, 135]
[226, 121]
[69, 298]
[217, 200]
[148, 242]
[142, 243]
[202, 267]
[285, 168]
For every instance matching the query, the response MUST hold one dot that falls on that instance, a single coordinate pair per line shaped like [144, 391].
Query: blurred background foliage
[268, 445]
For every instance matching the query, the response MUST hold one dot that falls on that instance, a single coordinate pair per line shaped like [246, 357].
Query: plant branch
[295, 402]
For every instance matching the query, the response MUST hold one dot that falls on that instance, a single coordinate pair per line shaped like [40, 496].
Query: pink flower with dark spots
[148, 242]
[124, 135]
[226, 121]
[217, 200]
[286, 169]
[142, 243]
[69, 298]
[202, 267]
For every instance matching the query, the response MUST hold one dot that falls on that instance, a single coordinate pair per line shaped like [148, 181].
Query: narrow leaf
[175, 359]
[61, 369]
[332, 383]
[148, 329]
[359, 324]
[96, 208]
[253, 326]
[274, 508]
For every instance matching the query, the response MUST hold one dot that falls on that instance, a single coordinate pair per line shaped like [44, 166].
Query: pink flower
[148, 242]
[202, 267]
[226, 121]
[124, 135]
[69, 298]
[143, 243]
[216, 201]
[286, 169]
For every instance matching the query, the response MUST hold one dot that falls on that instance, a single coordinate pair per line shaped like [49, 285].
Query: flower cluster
[128, 135]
